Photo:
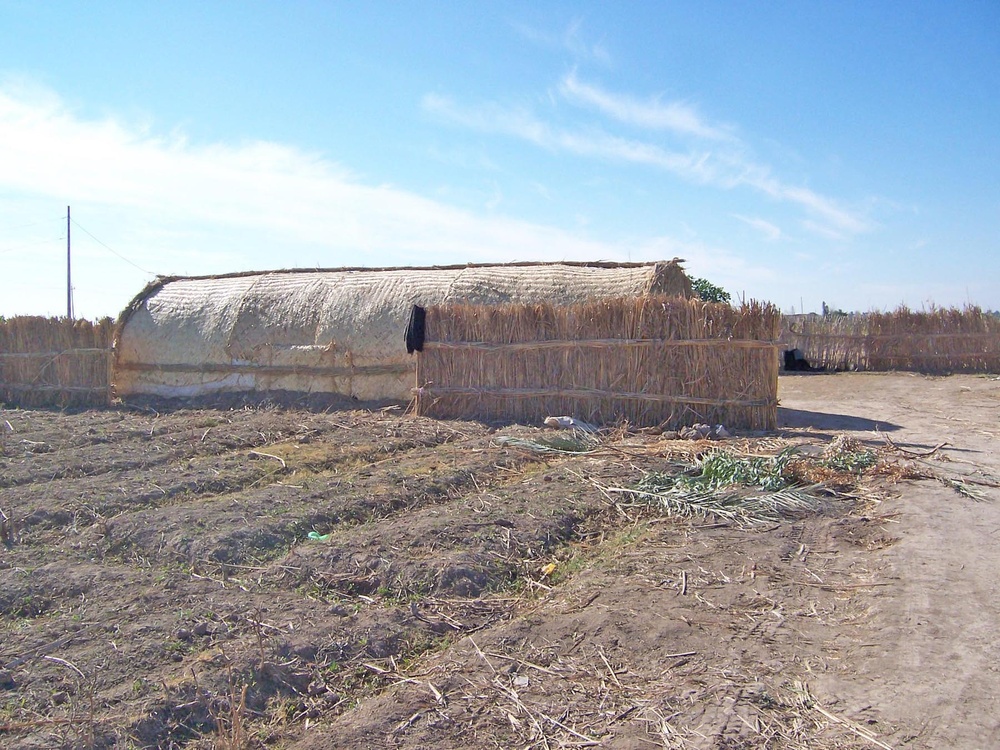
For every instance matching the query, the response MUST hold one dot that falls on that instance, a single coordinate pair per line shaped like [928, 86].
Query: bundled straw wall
[338, 331]
[55, 361]
[649, 360]
[938, 341]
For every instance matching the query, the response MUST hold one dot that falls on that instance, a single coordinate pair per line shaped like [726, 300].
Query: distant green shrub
[709, 292]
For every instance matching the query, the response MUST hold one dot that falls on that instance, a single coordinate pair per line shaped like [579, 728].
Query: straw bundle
[647, 360]
[937, 341]
[54, 361]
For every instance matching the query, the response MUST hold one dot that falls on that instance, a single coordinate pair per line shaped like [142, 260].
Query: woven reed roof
[337, 318]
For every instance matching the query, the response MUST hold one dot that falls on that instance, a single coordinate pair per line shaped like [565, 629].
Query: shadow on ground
[799, 418]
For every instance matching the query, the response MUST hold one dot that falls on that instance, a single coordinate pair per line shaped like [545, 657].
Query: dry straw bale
[648, 360]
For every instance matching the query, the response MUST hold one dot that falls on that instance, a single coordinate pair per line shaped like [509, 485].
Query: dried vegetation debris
[159, 586]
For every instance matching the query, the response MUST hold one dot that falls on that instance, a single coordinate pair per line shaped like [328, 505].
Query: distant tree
[709, 292]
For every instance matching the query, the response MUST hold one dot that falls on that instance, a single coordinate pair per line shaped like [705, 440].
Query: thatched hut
[335, 331]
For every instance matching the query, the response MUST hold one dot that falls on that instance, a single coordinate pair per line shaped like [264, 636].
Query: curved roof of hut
[349, 317]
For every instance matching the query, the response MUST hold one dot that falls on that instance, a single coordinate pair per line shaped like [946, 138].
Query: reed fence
[55, 361]
[649, 361]
[938, 341]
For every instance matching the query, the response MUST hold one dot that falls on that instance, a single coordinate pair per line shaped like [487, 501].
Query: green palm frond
[745, 490]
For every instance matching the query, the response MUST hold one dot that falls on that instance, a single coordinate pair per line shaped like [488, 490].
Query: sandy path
[929, 661]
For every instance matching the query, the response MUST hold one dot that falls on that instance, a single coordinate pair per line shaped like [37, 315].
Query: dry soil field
[159, 587]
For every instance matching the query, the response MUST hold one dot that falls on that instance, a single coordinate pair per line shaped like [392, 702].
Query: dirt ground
[159, 587]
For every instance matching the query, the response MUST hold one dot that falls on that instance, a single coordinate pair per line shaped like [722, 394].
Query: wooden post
[69, 276]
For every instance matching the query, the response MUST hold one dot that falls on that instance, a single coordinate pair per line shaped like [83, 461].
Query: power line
[111, 250]
[30, 244]
[32, 224]
[21, 246]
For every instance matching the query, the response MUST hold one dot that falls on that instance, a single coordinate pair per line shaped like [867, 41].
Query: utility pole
[69, 276]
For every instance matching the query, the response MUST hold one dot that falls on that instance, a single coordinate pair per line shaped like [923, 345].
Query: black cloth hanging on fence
[415, 330]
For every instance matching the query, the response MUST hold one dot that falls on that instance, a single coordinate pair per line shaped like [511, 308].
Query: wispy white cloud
[719, 163]
[837, 218]
[466, 159]
[823, 230]
[47, 151]
[770, 231]
[677, 117]
[173, 206]
[543, 190]
[574, 41]
[495, 199]
[520, 123]
[571, 39]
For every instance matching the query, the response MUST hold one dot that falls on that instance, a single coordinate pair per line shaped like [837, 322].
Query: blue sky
[796, 152]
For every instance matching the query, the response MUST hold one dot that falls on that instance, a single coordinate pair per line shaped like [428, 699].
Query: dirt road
[288, 578]
[929, 659]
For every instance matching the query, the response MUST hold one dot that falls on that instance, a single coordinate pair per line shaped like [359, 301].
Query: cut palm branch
[723, 468]
[575, 441]
[746, 510]
[745, 490]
